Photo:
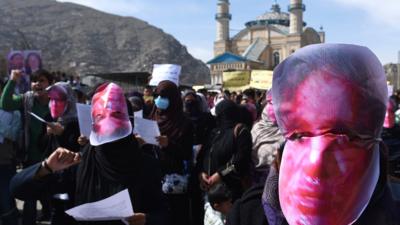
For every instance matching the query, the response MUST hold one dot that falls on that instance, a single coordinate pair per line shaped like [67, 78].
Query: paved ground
[19, 206]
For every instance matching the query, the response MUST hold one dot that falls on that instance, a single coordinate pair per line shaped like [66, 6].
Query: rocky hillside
[82, 40]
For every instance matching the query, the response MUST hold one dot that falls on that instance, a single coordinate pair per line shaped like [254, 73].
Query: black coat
[228, 155]
[68, 139]
[248, 209]
[145, 191]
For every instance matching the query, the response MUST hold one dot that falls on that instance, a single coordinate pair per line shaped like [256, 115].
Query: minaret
[296, 9]
[223, 17]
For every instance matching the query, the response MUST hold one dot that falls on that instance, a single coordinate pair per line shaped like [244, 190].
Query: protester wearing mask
[174, 151]
[111, 163]
[63, 132]
[333, 168]
[203, 123]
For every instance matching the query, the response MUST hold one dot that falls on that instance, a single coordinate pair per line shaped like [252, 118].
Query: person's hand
[136, 219]
[140, 140]
[215, 178]
[83, 140]
[55, 128]
[162, 140]
[16, 75]
[62, 158]
[204, 185]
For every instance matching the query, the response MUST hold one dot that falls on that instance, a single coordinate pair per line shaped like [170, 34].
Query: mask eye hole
[117, 114]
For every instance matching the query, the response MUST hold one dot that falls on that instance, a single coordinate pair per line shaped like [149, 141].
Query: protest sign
[235, 79]
[261, 79]
[163, 72]
[84, 119]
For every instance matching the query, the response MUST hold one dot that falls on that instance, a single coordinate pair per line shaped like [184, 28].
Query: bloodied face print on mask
[109, 115]
[57, 100]
[329, 101]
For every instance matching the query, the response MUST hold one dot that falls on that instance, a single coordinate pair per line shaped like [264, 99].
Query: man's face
[147, 92]
[109, 115]
[39, 86]
[326, 179]
[327, 175]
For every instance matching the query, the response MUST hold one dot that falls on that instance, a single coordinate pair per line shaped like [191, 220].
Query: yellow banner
[235, 79]
[261, 79]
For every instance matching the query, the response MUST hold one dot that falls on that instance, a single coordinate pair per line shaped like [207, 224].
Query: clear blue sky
[372, 23]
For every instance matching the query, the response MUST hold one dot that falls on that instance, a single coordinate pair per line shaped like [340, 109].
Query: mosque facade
[263, 43]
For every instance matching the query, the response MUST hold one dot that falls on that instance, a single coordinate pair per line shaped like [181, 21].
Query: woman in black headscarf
[227, 155]
[203, 123]
[174, 151]
[111, 163]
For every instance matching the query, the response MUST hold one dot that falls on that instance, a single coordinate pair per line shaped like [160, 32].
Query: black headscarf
[227, 114]
[192, 107]
[170, 121]
[107, 169]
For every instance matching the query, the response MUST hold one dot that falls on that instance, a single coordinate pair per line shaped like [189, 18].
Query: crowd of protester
[222, 157]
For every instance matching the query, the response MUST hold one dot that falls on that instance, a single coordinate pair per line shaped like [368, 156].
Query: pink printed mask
[332, 118]
[58, 100]
[109, 115]
[327, 179]
[57, 108]
[390, 115]
[270, 108]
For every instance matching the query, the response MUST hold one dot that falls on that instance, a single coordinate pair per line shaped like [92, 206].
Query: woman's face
[34, 62]
[17, 61]
[57, 107]
[57, 102]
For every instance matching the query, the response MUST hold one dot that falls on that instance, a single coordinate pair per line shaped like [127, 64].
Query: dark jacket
[202, 126]
[68, 139]
[228, 155]
[248, 209]
[172, 158]
[145, 191]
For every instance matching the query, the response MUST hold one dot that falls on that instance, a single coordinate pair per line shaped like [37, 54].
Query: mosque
[263, 43]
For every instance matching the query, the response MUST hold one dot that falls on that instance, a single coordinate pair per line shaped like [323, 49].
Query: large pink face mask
[109, 115]
[332, 119]
[58, 101]
[323, 181]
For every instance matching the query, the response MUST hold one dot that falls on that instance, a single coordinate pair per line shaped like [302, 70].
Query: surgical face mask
[162, 103]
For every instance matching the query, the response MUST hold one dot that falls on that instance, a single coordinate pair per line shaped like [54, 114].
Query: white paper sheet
[116, 207]
[39, 118]
[84, 118]
[139, 114]
[147, 129]
[162, 72]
